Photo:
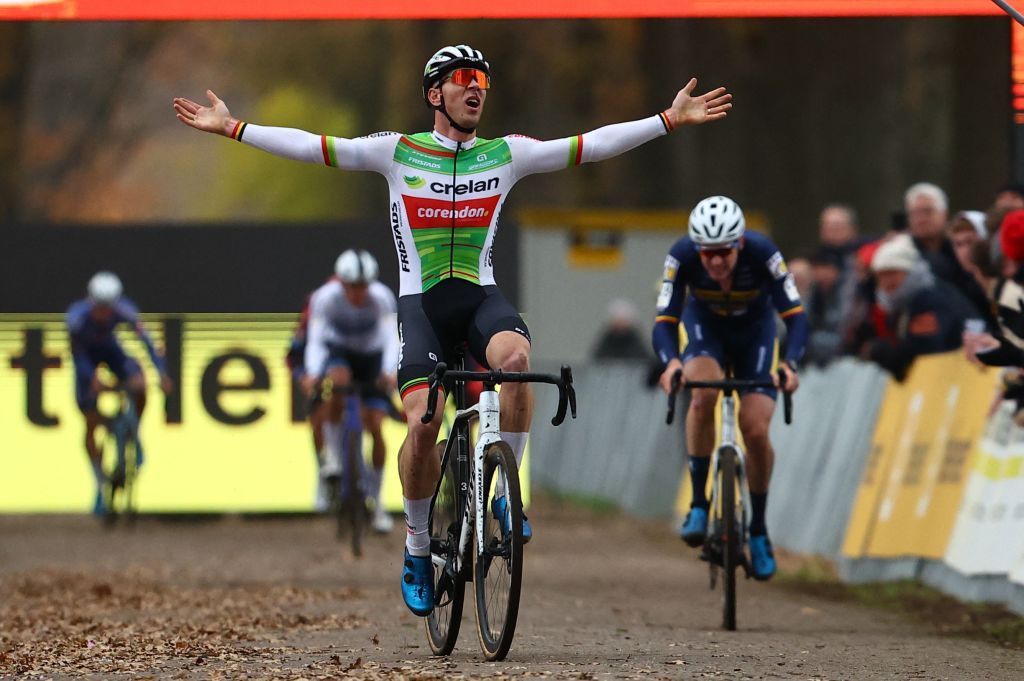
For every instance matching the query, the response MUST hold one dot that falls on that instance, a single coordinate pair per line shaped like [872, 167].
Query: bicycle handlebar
[729, 384]
[566, 392]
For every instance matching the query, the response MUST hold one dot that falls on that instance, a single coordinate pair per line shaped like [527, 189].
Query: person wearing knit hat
[922, 314]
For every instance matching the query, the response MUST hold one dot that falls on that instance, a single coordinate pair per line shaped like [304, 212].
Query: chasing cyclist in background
[447, 187]
[91, 324]
[352, 341]
[737, 281]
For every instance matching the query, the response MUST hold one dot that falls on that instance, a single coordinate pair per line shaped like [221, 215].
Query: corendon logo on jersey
[427, 213]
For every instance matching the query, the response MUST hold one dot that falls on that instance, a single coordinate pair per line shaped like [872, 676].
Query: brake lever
[434, 380]
[677, 378]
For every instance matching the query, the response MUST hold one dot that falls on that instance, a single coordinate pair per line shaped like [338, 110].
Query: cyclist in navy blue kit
[91, 324]
[726, 286]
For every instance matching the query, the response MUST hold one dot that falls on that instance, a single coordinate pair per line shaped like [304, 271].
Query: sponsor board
[231, 436]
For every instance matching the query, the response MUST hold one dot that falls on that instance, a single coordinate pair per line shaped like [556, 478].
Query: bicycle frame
[488, 411]
[728, 439]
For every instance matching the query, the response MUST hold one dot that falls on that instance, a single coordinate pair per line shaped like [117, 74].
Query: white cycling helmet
[716, 221]
[105, 288]
[449, 58]
[356, 267]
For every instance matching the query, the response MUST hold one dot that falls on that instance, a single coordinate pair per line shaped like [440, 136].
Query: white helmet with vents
[105, 288]
[449, 58]
[356, 267]
[716, 221]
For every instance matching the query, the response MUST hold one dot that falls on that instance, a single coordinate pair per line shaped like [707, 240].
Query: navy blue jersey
[90, 337]
[761, 285]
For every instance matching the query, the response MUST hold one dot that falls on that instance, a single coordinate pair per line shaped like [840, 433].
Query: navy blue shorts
[113, 356]
[749, 344]
[365, 368]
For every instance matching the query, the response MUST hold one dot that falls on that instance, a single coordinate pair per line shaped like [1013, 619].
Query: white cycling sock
[417, 523]
[332, 445]
[373, 478]
[517, 441]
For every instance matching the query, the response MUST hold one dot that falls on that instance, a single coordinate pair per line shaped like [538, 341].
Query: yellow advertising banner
[231, 436]
[914, 481]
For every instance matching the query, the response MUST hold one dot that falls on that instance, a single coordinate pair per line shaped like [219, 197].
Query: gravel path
[605, 597]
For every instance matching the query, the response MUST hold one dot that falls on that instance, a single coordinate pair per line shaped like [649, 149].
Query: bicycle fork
[488, 413]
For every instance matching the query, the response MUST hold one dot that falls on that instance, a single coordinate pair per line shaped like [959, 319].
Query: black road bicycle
[725, 546]
[478, 497]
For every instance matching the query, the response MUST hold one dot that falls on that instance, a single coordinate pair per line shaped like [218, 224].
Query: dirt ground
[605, 597]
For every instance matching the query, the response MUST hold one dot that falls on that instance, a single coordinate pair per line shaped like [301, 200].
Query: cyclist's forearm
[612, 140]
[798, 330]
[154, 356]
[291, 143]
[665, 338]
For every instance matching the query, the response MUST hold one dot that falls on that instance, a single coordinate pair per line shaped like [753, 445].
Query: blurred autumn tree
[826, 110]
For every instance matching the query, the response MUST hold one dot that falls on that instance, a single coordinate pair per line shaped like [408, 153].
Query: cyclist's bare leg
[93, 420]
[316, 422]
[340, 377]
[755, 415]
[418, 465]
[509, 351]
[700, 419]
[419, 468]
[372, 420]
[136, 386]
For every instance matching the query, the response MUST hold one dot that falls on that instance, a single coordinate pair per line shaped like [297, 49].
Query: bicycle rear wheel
[445, 620]
[729, 528]
[499, 569]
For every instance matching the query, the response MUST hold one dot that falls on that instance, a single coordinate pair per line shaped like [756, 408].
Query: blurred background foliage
[848, 110]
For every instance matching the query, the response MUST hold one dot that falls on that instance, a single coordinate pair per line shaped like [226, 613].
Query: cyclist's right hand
[214, 118]
[666, 376]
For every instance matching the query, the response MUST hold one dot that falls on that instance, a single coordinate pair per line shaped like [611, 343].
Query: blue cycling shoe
[762, 558]
[418, 584]
[695, 528]
[99, 506]
[498, 506]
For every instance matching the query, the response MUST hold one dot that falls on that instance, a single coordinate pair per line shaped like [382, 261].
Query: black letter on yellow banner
[212, 387]
[34, 361]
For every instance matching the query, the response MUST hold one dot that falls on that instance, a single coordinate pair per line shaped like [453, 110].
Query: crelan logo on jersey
[414, 182]
[467, 187]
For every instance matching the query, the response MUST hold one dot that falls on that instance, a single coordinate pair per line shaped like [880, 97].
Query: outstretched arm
[364, 153]
[533, 156]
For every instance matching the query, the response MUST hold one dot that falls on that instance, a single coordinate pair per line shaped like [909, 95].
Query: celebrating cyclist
[91, 323]
[351, 340]
[736, 281]
[447, 187]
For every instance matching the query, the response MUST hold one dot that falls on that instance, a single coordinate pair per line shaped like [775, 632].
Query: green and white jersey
[446, 196]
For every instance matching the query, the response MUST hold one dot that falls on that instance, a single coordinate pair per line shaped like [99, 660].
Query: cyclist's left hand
[792, 380]
[694, 110]
[166, 384]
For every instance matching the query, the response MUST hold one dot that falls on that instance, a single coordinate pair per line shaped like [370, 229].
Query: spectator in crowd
[1010, 197]
[923, 314]
[965, 230]
[927, 211]
[837, 227]
[1004, 346]
[620, 338]
[827, 306]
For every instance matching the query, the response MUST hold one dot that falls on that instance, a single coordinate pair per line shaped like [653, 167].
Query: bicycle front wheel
[729, 538]
[499, 569]
[355, 501]
[445, 620]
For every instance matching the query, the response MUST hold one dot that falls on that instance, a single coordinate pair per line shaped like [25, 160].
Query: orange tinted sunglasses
[465, 77]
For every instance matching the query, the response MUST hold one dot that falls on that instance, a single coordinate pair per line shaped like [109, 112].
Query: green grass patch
[907, 598]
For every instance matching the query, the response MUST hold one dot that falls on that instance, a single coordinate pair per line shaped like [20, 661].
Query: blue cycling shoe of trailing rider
[695, 527]
[762, 558]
